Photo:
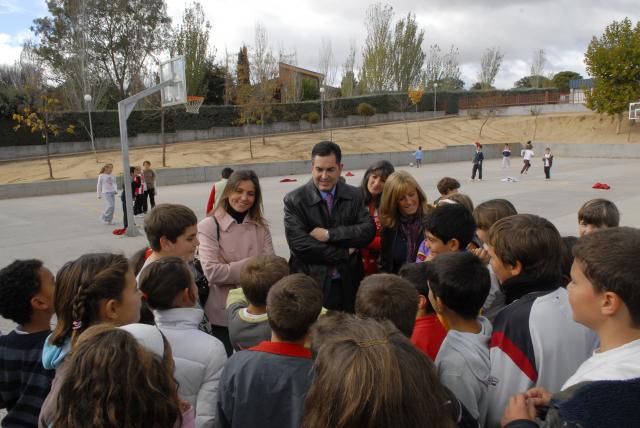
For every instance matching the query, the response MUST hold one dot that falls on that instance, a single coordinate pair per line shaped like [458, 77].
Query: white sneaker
[110, 222]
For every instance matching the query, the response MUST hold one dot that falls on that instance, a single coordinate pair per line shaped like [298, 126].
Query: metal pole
[435, 98]
[93, 144]
[322, 109]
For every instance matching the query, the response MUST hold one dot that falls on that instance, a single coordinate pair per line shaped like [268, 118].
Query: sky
[562, 28]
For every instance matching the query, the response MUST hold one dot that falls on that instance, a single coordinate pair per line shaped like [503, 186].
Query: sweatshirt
[463, 366]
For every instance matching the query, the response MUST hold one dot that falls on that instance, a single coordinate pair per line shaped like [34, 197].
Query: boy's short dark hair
[416, 274]
[449, 221]
[447, 184]
[388, 297]
[461, 281]
[531, 240]
[488, 212]
[599, 212]
[293, 305]
[19, 282]
[146, 163]
[326, 148]
[259, 274]
[609, 258]
[169, 220]
[226, 172]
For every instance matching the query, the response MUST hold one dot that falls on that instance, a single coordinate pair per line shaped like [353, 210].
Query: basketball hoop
[193, 104]
[634, 111]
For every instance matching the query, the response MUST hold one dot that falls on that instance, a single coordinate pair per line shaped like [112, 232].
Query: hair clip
[77, 325]
[372, 342]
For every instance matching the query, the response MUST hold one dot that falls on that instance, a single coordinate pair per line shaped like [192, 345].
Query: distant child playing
[107, 189]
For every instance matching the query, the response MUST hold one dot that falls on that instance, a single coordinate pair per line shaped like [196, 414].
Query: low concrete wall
[544, 109]
[626, 151]
[214, 133]
[171, 176]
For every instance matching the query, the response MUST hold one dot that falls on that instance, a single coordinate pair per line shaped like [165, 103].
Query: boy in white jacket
[458, 286]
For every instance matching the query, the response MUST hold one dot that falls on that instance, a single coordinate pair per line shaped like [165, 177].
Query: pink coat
[237, 243]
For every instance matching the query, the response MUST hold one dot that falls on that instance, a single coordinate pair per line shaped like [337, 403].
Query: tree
[349, 83]
[308, 90]
[191, 39]
[614, 62]
[214, 82]
[415, 95]
[442, 69]
[243, 68]
[537, 68]
[43, 120]
[407, 56]
[376, 73]
[561, 79]
[489, 66]
[365, 110]
[313, 118]
[533, 82]
[326, 62]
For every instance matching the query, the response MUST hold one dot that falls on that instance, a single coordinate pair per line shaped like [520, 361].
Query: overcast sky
[563, 28]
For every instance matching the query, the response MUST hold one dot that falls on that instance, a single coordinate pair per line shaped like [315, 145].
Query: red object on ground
[121, 231]
[288, 180]
[349, 174]
[603, 186]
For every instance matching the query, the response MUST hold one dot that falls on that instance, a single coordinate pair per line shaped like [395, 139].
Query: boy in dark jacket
[266, 385]
[477, 162]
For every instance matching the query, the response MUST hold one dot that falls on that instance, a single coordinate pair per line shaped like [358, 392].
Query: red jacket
[428, 335]
[371, 252]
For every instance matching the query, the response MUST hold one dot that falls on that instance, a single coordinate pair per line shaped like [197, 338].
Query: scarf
[517, 286]
[410, 227]
[238, 217]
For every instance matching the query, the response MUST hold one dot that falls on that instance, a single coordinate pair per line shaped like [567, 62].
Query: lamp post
[87, 100]
[322, 108]
[435, 97]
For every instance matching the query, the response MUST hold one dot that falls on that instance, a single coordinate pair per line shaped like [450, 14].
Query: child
[449, 227]
[547, 161]
[107, 188]
[26, 297]
[419, 155]
[527, 155]
[138, 199]
[428, 332]
[92, 289]
[604, 296]
[485, 215]
[246, 306]
[534, 342]
[388, 297]
[168, 288]
[119, 381]
[478, 158]
[506, 155]
[149, 178]
[266, 385]
[597, 214]
[459, 284]
[447, 186]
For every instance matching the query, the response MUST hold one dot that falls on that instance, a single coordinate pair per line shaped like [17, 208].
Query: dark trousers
[477, 167]
[547, 172]
[137, 204]
[526, 166]
[151, 194]
[222, 334]
[339, 296]
[124, 213]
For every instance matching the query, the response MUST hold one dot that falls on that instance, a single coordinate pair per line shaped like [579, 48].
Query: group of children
[483, 330]
[527, 155]
[143, 191]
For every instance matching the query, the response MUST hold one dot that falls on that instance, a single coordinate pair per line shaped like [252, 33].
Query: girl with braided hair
[92, 289]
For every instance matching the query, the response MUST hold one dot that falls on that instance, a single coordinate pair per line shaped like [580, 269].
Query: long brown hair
[397, 185]
[115, 382]
[80, 285]
[257, 209]
[105, 166]
[369, 375]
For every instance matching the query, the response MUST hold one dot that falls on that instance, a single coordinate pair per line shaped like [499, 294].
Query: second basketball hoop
[193, 104]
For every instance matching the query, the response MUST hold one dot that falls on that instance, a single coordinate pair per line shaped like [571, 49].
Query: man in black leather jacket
[325, 224]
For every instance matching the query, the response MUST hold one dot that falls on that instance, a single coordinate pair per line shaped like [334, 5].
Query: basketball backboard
[634, 111]
[175, 93]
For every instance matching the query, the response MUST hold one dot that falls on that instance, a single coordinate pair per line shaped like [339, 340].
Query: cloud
[10, 6]
[11, 46]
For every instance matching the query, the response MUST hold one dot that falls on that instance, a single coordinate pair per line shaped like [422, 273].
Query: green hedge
[105, 123]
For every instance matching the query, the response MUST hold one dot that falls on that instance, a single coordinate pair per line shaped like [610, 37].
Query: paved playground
[62, 227]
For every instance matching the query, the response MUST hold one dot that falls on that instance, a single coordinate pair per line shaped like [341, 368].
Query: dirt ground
[434, 134]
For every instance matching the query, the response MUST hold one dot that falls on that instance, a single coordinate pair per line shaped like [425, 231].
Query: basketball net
[193, 104]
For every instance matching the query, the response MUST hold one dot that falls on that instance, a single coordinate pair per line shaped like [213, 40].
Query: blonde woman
[235, 231]
[402, 210]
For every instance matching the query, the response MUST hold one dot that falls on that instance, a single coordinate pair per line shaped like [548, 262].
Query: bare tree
[433, 66]
[375, 75]
[537, 67]
[327, 62]
[489, 66]
[347, 85]
[407, 55]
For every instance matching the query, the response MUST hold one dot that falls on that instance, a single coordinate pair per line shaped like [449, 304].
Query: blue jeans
[109, 198]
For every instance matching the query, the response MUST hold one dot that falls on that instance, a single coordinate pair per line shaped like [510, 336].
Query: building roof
[300, 70]
[580, 83]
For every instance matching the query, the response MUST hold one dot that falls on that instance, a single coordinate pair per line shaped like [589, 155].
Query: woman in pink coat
[229, 236]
